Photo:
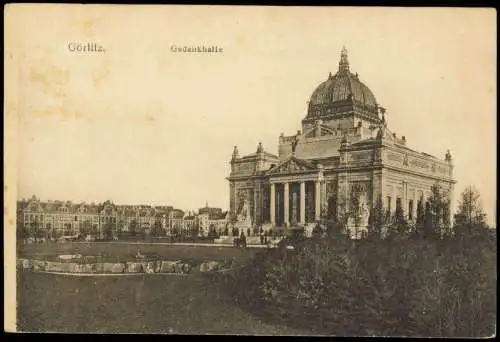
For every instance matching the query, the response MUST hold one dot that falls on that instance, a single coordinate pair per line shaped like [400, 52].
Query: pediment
[292, 165]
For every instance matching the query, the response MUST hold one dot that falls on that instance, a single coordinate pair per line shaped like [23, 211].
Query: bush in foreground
[402, 286]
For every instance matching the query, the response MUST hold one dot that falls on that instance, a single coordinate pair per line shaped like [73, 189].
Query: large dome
[342, 88]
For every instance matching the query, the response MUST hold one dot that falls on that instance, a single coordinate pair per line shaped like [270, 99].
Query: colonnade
[302, 201]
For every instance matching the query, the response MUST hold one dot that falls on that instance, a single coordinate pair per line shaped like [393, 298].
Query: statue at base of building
[243, 219]
[357, 227]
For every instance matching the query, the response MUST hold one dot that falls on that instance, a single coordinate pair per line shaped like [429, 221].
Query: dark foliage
[408, 287]
[429, 284]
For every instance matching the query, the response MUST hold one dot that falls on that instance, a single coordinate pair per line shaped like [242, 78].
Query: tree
[31, 229]
[399, 225]
[108, 230]
[95, 230]
[354, 211]
[87, 227]
[133, 227]
[436, 206]
[316, 232]
[67, 229]
[34, 228]
[212, 232]
[119, 226]
[470, 210]
[21, 232]
[470, 213]
[54, 233]
[376, 219]
[420, 214]
[157, 227]
[195, 231]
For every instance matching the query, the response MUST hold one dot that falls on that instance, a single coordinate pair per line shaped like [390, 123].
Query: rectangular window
[410, 210]
[388, 204]
[398, 204]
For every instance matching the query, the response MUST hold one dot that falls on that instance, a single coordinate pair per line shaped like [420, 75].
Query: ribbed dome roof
[343, 86]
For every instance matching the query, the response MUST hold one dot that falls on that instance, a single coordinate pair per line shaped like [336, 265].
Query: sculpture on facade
[295, 141]
[243, 212]
[359, 216]
[364, 215]
[243, 218]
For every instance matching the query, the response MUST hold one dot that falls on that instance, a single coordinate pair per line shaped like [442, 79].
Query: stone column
[286, 202]
[405, 198]
[317, 200]
[302, 202]
[324, 199]
[232, 196]
[451, 206]
[272, 204]
[255, 205]
[415, 205]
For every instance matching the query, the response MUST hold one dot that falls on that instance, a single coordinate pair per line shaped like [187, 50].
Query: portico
[294, 201]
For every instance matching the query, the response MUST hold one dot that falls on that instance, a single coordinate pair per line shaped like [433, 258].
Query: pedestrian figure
[243, 239]
[139, 255]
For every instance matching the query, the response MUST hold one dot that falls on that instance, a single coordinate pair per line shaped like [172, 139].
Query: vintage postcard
[235, 170]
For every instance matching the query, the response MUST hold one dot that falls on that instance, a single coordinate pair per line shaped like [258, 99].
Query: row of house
[68, 218]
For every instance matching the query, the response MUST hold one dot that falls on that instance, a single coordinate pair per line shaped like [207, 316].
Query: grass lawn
[168, 304]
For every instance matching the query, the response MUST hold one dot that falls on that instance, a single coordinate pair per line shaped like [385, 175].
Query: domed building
[344, 155]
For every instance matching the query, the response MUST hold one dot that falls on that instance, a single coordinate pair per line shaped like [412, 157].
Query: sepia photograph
[250, 170]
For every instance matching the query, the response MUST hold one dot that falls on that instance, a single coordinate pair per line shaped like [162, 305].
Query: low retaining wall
[148, 267]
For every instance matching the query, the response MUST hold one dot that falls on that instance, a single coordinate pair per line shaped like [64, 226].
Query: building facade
[211, 218]
[199, 223]
[207, 222]
[344, 150]
[67, 218]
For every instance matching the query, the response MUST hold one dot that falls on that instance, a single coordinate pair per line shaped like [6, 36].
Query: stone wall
[157, 266]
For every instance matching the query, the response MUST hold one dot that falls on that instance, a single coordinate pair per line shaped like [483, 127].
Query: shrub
[400, 286]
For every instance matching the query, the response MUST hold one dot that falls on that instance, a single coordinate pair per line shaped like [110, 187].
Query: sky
[141, 124]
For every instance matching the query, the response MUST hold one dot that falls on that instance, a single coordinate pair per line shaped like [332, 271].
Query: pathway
[191, 244]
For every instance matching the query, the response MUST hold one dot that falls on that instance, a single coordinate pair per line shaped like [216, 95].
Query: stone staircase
[253, 240]
[229, 240]
[225, 240]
